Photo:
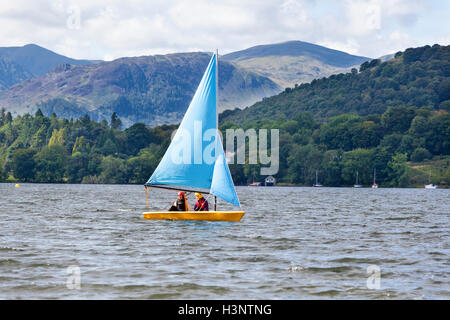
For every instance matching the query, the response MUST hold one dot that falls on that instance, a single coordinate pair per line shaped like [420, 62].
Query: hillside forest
[392, 117]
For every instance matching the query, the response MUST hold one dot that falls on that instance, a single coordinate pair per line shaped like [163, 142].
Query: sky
[106, 30]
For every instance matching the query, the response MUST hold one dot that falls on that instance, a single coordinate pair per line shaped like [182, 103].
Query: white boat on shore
[357, 185]
[374, 184]
[317, 184]
[430, 185]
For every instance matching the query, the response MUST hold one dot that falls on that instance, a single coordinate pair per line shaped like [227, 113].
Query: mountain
[150, 89]
[11, 73]
[156, 89]
[294, 62]
[35, 61]
[417, 77]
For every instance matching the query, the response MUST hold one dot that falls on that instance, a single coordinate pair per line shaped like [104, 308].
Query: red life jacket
[201, 205]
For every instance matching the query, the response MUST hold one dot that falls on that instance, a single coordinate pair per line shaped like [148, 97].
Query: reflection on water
[293, 243]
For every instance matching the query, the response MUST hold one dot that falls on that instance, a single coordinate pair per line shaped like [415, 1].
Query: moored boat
[357, 185]
[374, 184]
[430, 185]
[317, 184]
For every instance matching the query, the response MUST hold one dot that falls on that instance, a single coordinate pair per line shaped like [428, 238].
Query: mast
[217, 116]
[217, 100]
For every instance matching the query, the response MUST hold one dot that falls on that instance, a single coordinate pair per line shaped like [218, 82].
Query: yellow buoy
[17, 185]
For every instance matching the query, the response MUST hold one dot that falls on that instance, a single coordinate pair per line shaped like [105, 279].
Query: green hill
[390, 116]
[418, 77]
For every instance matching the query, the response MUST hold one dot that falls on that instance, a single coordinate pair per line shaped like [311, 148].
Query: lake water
[91, 242]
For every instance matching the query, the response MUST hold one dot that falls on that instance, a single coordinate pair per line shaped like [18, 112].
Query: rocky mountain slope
[294, 62]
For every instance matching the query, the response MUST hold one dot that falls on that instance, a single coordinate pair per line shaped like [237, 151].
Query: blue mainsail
[195, 160]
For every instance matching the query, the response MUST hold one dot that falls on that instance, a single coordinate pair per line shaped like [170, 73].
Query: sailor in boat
[213, 176]
[181, 203]
[202, 203]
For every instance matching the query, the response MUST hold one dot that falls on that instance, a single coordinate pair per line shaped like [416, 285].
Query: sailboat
[430, 185]
[374, 184]
[317, 184]
[254, 184]
[357, 185]
[195, 160]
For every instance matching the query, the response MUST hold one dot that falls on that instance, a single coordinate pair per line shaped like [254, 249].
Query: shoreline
[281, 185]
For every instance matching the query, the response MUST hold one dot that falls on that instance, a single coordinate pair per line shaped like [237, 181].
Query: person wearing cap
[180, 204]
[201, 204]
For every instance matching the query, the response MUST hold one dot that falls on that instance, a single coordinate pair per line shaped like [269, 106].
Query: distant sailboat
[201, 168]
[374, 184]
[317, 184]
[255, 184]
[357, 185]
[430, 185]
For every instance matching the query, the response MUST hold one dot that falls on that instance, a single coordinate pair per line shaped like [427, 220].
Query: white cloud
[107, 30]
[363, 17]
[444, 40]
[350, 45]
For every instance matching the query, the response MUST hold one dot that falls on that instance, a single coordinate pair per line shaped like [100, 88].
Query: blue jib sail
[191, 162]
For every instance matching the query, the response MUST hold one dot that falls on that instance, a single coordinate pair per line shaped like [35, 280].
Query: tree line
[47, 149]
[402, 145]
[57, 150]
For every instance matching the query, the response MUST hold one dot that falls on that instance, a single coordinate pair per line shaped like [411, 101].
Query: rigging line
[146, 197]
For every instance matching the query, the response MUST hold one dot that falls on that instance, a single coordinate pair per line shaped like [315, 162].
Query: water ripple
[320, 243]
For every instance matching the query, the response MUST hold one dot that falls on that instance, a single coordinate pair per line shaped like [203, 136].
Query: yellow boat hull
[195, 215]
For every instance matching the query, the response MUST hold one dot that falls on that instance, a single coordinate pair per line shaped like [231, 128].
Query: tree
[23, 164]
[419, 126]
[420, 154]
[116, 123]
[77, 167]
[3, 174]
[141, 167]
[398, 119]
[109, 148]
[303, 161]
[397, 167]
[438, 139]
[51, 163]
[137, 137]
[58, 137]
[290, 126]
[8, 118]
[305, 119]
[358, 160]
[39, 113]
[2, 116]
[331, 167]
[38, 140]
[113, 170]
